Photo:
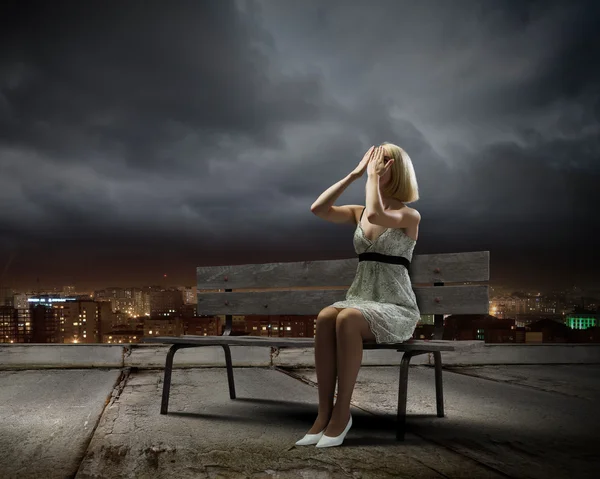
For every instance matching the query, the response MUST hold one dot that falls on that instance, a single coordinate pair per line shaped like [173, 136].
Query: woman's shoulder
[413, 210]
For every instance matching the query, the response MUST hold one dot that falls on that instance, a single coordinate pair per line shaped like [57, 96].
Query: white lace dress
[383, 291]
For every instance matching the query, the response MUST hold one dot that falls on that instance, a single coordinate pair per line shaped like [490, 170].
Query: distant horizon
[57, 290]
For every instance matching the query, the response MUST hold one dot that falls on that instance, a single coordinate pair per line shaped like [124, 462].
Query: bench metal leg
[164, 405]
[403, 389]
[229, 370]
[402, 392]
[439, 388]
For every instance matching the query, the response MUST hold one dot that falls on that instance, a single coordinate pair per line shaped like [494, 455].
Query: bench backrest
[289, 288]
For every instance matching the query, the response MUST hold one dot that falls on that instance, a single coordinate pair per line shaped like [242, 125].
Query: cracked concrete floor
[494, 428]
[206, 434]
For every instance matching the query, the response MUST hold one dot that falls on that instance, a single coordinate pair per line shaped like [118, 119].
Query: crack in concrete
[116, 416]
[126, 353]
[295, 376]
[274, 353]
[121, 380]
[119, 386]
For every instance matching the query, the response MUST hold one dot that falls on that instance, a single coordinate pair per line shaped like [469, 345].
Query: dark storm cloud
[82, 76]
[172, 132]
[103, 102]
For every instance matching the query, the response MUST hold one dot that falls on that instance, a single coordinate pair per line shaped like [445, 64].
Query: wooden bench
[434, 296]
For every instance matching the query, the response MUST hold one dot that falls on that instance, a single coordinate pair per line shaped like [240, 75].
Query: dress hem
[371, 323]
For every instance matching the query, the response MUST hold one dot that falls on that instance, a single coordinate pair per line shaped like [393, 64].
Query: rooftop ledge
[93, 411]
[152, 355]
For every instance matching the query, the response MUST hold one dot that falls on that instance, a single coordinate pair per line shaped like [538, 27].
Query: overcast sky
[146, 138]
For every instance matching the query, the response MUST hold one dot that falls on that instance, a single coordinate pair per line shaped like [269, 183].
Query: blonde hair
[403, 184]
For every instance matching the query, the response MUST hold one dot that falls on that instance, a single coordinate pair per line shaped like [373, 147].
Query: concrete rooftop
[93, 411]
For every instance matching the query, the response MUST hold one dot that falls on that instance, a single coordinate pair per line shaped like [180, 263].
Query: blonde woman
[380, 305]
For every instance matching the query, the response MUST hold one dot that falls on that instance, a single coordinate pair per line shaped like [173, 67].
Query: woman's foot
[320, 424]
[337, 424]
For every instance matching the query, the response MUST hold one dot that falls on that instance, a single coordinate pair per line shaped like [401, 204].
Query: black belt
[384, 258]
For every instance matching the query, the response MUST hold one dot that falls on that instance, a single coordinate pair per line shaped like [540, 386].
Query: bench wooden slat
[470, 299]
[425, 269]
[411, 345]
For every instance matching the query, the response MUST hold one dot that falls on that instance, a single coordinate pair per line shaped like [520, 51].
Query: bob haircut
[403, 184]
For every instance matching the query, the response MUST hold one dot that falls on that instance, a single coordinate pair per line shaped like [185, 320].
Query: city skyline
[145, 141]
[575, 292]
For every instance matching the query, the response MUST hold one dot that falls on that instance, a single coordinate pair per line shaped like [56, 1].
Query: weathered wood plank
[425, 269]
[468, 299]
[275, 342]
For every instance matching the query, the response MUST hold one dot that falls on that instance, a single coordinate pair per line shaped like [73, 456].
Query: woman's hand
[377, 166]
[362, 166]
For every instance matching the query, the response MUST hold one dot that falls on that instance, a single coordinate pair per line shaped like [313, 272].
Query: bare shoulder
[412, 218]
[402, 216]
[414, 213]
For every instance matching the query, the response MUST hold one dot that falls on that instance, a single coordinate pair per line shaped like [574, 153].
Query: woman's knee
[327, 317]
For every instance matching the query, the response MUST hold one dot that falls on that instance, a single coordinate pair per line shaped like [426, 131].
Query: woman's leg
[351, 330]
[325, 365]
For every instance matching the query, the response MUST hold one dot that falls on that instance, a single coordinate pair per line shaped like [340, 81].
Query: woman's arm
[374, 205]
[328, 197]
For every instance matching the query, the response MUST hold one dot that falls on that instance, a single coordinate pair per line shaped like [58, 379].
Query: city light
[50, 300]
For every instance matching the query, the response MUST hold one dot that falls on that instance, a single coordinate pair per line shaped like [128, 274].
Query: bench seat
[410, 345]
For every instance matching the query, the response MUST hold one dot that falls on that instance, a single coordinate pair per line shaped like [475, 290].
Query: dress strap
[363, 212]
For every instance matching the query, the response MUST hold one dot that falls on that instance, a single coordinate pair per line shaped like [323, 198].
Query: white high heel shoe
[327, 441]
[310, 439]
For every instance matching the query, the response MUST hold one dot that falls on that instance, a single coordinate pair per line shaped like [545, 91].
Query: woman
[380, 304]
